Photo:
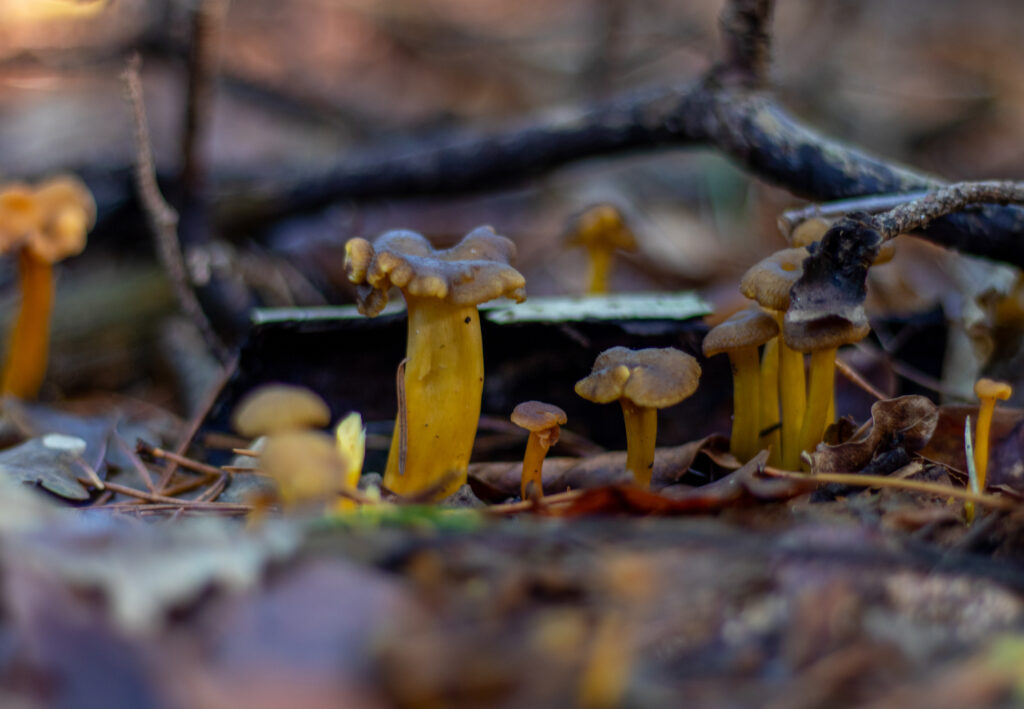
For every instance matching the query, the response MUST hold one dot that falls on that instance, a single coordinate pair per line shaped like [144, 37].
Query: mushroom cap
[305, 464]
[537, 416]
[19, 215]
[475, 270]
[279, 407]
[824, 334]
[769, 280]
[749, 327]
[66, 213]
[992, 389]
[601, 225]
[653, 377]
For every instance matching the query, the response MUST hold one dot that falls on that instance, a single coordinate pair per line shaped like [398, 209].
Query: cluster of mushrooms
[40, 225]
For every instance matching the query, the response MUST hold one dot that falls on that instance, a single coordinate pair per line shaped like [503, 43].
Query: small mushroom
[739, 337]
[45, 225]
[601, 230]
[444, 370]
[642, 381]
[988, 392]
[306, 466]
[542, 421]
[273, 408]
[350, 441]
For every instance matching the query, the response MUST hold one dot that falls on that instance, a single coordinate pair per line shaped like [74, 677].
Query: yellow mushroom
[543, 422]
[273, 408]
[739, 337]
[444, 372]
[642, 381]
[46, 225]
[601, 230]
[988, 392]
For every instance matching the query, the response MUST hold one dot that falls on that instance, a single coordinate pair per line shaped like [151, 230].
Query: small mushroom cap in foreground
[537, 416]
[824, 334]
[749, 327]
[601, 225]
[305, 464]
[475, 270]
[279, 407]
[992, 389]
[653, 377]
[769, 280]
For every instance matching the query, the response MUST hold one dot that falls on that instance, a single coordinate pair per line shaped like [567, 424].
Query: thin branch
[207, 22]
[745, 33]
[921, 212]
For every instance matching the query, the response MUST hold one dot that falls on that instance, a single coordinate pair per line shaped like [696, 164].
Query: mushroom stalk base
[532, 484]
[769, 420]
[792, 400]
[641, 433]
[981, 436]
[444, 378]
[30, 339]
[745, 403]
[599, 270]
[819, 393]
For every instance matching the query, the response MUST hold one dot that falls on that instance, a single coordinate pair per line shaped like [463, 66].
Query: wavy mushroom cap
[824, 334]
[537, 416]
[19, 215]
[992, 389]
[279, 407]
[749, 327]
[769, 280]
[475, 270]
[67, 212]
[653, 377]
[601, 225]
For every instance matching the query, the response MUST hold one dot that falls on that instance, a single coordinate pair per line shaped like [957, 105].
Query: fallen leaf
[48, 461]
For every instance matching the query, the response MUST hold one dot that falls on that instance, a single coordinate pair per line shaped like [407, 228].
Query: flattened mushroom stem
[745, 407]
[30, 338]
[444, 379]
[641, 432]
[793, 400]
[533, 463]
[823, 369]
[770, 402]
[599, 268]
[988, 405]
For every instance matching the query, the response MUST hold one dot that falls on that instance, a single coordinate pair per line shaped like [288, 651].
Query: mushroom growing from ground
[739, 337]
[988, 392]
[768, 282]
[273, 408]
[642, 381]
[45, 225]
[601, 230]
[444, 372]
[542, 421]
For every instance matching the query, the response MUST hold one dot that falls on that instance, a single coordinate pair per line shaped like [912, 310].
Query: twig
[176, 459]
[919, 213]
[872, 204]
[163, 220]
[178, 504]
[188, 485]
[559, 498]
[880, 481]
[207, 21]
[137, 463]
[214, 491]
[854, 376]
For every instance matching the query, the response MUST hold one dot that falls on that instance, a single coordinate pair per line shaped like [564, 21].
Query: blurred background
[301, 85]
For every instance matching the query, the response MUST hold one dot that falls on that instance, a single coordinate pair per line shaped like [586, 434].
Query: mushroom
[643, 381]
[601, 230]
[542, 421]
[822, 338]
[987, 391]
[444, 373]
[768, 282]
[350, 442]
[739, 337]
[306, 466]
[45, 225]
[274, 408]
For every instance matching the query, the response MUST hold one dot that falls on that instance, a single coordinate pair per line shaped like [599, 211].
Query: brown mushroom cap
[601, 225]
[475, 270]
[19, 215]
[279, 407]
[749, 327]
[654, 377]
[537, 416]
[67, 212]
[824, 334]
[769, 280]
[992, 389]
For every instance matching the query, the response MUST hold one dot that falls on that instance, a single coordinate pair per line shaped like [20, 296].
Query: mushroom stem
[981, 435]
[444, 379]
[769, 420]
[793, 400]
[532, 482]
[745, 387]
[599, 268]
[641, 433]
[819, 392]
[30, 339]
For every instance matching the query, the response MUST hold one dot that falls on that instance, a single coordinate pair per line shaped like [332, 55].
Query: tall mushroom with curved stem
[444, 371]
[64, 211]
[601, 230]
[987, 391]
[642, 381]
[739, 337]
[543, 422]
